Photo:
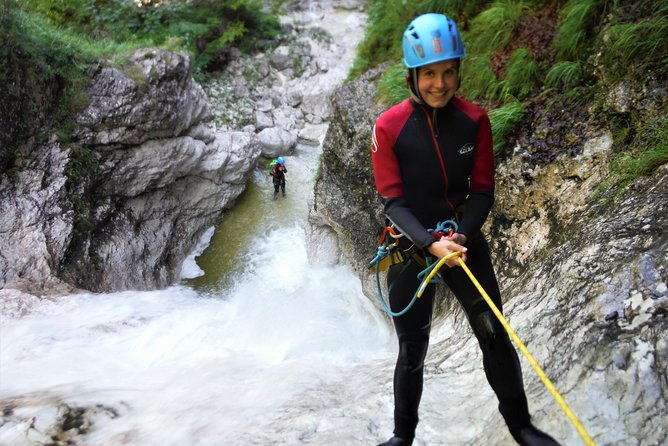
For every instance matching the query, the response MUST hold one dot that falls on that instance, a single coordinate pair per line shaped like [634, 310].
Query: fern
[231, 34]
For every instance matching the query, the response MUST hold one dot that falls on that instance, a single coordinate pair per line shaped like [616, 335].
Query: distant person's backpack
[280, 160]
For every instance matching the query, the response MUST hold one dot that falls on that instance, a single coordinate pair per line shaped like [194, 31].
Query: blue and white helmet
[280, 160]
[431, 38]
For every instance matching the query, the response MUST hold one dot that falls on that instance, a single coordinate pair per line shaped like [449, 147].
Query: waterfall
[253, 334]
[176, 366]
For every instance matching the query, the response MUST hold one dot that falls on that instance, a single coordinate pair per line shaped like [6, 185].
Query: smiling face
[437, 82]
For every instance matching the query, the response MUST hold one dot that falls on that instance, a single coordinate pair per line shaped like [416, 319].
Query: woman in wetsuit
[433, 162]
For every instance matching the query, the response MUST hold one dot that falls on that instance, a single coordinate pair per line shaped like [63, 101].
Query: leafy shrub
[197, 27]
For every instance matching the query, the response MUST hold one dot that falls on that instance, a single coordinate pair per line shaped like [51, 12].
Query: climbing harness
[389, 254]
[541, 374]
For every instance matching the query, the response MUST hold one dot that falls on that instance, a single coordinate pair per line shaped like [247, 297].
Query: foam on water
[178, 366]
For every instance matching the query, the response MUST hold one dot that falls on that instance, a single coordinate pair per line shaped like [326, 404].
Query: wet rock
[275, 141]
[123, 109]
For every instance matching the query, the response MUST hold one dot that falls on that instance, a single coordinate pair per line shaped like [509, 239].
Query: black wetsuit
[432, 165]
[278, 172]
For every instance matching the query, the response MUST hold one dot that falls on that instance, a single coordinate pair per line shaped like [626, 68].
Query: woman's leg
[500, 360]
[413, 335]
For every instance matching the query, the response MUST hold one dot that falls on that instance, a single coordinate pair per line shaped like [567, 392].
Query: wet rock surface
[583, 275]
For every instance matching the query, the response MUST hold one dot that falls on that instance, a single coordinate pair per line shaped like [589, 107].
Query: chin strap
[412, 82]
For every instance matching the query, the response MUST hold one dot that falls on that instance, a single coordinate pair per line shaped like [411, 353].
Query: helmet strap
[412, 81]
[459, 73]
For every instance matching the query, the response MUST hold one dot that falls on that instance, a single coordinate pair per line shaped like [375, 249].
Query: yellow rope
[433, 272]
[541, 374]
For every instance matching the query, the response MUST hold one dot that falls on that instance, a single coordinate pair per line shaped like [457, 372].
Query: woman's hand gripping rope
[457, 256]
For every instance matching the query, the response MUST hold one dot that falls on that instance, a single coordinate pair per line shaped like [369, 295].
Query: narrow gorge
[120, 327]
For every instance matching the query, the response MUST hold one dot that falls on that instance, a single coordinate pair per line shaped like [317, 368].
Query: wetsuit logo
[465, 149]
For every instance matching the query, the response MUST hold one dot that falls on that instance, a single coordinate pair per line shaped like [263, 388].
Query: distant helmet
[280, 160]
[431, 38]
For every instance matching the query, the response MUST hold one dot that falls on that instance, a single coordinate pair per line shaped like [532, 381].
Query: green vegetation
[648, 151]
[38, 63]
[478, 79]
[594, 44]
[201, 28]
[631, 37]
[503, 121]
[494, 26]
[577, 21]
[640, 44]
[387, 21]
[49, 47]
[564, 74]
[521, 75]
[392, 86]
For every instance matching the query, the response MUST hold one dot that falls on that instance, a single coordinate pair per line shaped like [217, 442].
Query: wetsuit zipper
[433, 124]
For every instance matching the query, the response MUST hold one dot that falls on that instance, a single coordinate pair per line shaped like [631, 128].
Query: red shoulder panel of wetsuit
[386, 170]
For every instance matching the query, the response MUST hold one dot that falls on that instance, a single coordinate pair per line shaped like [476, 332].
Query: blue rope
[387, 308]
[444, 226]
[425, 272]
[382, 253]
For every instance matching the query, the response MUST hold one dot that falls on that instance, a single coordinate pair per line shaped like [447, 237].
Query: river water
[200, 362]
[177, 367]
